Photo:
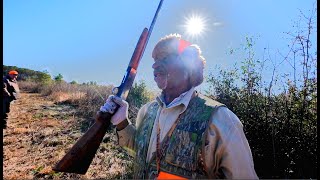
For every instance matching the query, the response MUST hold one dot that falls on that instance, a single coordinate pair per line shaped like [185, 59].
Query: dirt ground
[40, 132]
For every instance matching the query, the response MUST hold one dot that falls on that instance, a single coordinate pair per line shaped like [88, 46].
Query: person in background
[11, 92]
[182, 134]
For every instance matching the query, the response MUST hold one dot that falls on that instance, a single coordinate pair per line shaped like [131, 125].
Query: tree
[58, 78]
[281, 127]
[73, 82]
[44, 78]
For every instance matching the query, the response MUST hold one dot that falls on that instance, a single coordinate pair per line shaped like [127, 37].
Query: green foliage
[44, 78]
[73, 82]
[281, 127]
[223, 87]
[90, 83]
[139, 95]
[29, 75]
[58, 78]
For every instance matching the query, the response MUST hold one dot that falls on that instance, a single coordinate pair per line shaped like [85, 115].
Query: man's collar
[183, 99]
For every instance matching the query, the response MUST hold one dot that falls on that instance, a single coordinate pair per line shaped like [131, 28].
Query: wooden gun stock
[80, 156]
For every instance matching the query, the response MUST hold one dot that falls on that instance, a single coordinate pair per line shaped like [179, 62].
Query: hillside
[40, 132]
[27, 74]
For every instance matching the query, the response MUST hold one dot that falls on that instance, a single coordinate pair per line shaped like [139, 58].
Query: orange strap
[164, 175]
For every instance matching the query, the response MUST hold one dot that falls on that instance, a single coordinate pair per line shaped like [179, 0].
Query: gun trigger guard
[115, 90]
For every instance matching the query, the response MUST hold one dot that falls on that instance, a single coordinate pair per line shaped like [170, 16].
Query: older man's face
[169, 72]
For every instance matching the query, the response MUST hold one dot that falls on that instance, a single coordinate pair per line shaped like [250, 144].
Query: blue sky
[94, 40]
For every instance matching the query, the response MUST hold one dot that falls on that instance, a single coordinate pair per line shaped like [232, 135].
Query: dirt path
[40, 132]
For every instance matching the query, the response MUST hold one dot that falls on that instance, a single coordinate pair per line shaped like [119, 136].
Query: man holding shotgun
[182, 134]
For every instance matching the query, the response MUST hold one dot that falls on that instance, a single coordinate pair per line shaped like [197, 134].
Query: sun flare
[195, 25]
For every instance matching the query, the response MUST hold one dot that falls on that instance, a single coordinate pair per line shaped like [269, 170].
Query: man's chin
[161, 86]
[161, 83]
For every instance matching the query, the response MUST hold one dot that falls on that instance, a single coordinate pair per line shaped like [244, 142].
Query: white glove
[110, 106]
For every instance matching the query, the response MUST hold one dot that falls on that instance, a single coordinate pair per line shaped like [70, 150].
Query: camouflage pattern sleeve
[127, 135]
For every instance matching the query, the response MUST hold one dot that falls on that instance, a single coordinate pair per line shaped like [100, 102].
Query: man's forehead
[167, 59]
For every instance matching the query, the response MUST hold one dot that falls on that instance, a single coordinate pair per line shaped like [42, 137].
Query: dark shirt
[10, 88]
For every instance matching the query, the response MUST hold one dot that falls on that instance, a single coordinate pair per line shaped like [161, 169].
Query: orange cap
[13, 72]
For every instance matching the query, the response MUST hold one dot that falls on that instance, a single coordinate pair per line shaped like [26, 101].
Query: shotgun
[79, 157]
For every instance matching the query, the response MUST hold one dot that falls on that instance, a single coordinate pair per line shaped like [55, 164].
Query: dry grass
[86, 98]
[47, 121]
[41, 131]
[30, 86]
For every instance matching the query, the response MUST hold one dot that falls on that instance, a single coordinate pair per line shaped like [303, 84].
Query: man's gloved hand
[110, 106]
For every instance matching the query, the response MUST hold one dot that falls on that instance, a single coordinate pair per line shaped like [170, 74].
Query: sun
[195, 25]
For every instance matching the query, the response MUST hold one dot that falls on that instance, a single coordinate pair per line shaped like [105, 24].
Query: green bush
[281, 127]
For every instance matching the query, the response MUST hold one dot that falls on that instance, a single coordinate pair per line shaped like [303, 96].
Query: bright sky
[94, 40]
